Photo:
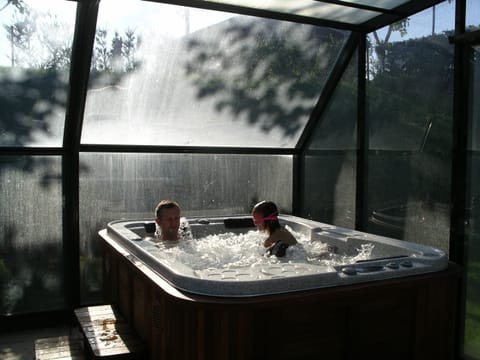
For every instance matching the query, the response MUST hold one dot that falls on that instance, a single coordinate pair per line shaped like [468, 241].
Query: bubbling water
[233, 251]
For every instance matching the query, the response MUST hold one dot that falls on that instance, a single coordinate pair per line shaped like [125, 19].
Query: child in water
[265, 217]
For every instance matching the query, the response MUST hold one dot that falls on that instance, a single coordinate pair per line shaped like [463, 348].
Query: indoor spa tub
[388, 258]
[343, 293]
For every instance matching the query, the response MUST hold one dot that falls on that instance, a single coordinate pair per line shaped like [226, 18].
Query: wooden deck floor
[21, 345]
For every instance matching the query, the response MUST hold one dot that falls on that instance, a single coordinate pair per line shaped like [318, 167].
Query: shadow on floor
[21, 345]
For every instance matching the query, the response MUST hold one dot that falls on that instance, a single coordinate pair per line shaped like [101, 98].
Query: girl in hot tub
[265, 217]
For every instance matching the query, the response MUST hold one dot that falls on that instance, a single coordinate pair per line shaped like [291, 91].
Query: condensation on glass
[35, 49]
[169, 75]
[409, 119]
[31, 246]
[129, 186]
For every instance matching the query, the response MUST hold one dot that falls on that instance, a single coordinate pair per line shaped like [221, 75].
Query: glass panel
[329, 194]
[336, 129]
[472, 20]
[433, 21]
[120, 186]
[384, 4]
[472, 230]
[409, 116]
[217, 80]
[35, 49]
[31, 252]
[315, 9]
[330, 161]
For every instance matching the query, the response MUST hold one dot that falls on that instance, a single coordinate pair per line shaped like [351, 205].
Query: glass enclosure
[218, 111]
[409, 117]
[35, 50]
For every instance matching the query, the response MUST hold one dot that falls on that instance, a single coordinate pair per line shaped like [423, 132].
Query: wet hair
[165, 204]
[267, 208]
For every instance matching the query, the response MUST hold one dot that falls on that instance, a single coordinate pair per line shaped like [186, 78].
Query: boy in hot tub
[265, 217]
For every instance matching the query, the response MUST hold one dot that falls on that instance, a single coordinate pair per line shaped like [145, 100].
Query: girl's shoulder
[284, 235]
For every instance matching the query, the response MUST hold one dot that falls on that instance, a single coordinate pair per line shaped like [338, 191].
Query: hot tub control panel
[399, 265]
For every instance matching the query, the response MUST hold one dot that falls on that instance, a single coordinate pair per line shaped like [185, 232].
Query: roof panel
[384, 4]
[353, 15]
[338, 13]
[312, 8]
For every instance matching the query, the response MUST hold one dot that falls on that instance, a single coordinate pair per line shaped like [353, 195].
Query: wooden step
[108, 335]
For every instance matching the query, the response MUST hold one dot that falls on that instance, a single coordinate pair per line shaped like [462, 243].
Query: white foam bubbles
[234, 251]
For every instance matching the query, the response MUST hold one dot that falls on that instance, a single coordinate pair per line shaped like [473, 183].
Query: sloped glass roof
[235, 73]
[213, 79]
[317, 9]
[358, 15]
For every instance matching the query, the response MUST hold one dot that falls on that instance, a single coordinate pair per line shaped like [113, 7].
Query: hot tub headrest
[230, 223]
[235, 223]
[149, 227]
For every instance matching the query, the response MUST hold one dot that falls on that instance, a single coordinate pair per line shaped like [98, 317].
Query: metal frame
[458, 214]
[361, 191]
[153, 149]
[82, 48]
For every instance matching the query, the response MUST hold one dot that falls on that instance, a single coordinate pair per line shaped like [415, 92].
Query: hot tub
[387, 258]
[399, 302]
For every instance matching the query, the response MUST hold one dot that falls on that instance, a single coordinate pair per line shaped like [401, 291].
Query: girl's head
[265, 216]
